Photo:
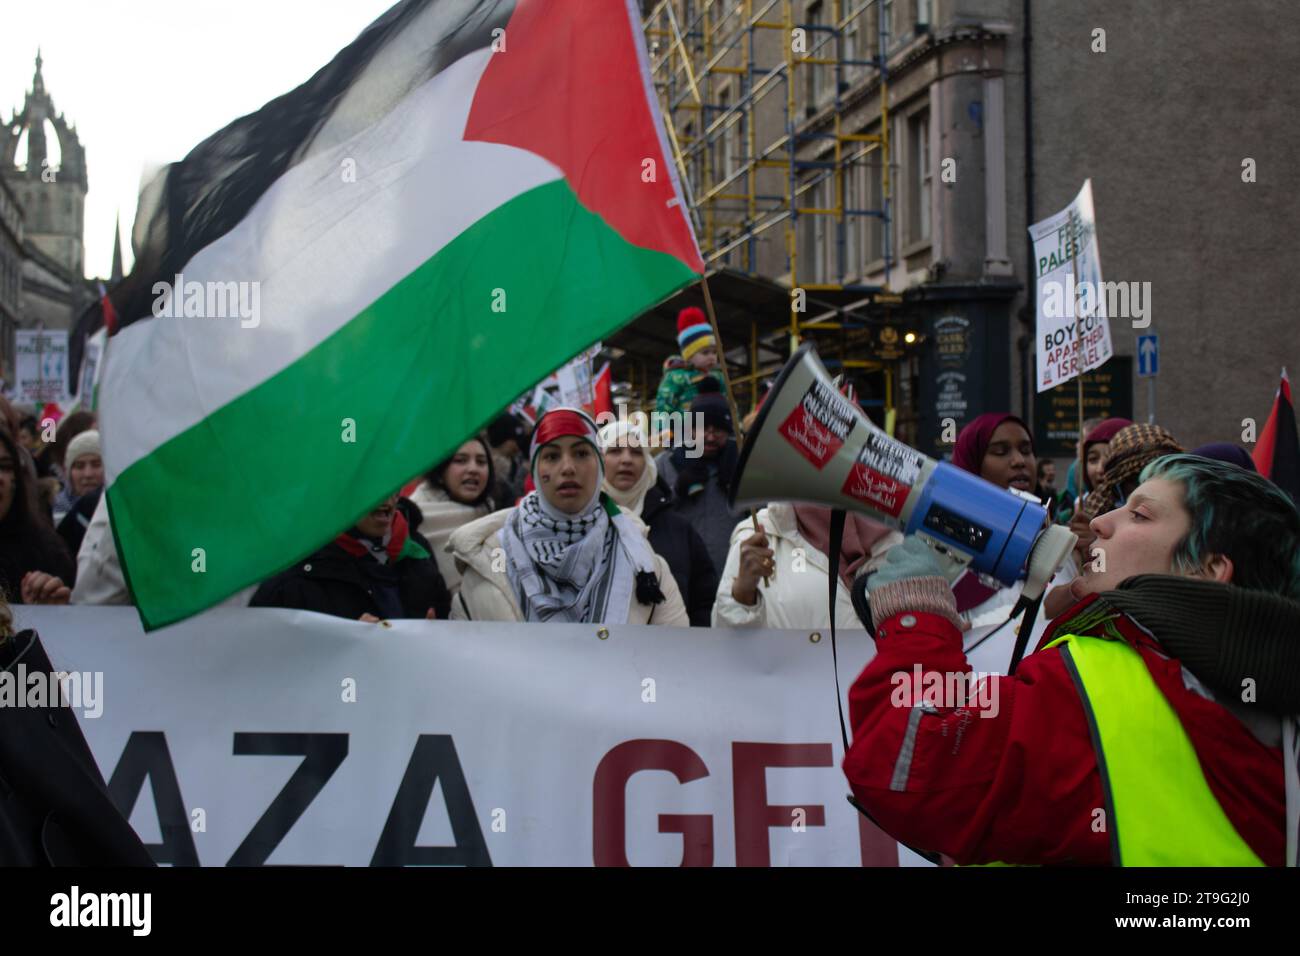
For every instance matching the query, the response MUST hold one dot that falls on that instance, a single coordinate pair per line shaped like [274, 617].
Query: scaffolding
[715, 63]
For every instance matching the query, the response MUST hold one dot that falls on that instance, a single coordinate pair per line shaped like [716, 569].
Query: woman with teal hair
[1155, 726]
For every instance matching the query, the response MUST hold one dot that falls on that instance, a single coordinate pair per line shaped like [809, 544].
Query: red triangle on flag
[1277, 452]
[601, 388]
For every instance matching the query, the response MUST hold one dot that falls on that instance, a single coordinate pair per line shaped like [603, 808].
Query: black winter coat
[55, 809]
[332, 581]
[32, 547]
[674, 539]
[72, 529]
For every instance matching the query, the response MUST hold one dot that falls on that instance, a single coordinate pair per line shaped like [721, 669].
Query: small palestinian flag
[333, 292]
[602, 392]
[1277, 453]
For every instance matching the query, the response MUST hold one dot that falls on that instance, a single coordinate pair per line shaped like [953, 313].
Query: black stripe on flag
[192, 203]
[1286, 450]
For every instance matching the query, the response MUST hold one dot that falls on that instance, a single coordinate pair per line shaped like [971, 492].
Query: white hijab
[614, 435]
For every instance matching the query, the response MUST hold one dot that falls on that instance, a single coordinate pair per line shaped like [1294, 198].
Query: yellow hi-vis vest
[1159, 809]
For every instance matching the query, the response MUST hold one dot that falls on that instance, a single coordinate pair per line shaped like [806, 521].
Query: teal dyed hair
[1239, 514]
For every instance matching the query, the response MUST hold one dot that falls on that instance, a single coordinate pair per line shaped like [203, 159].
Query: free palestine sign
[1073, 332]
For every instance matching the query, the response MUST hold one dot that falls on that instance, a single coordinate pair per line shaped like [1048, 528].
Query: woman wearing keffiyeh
[567, 552]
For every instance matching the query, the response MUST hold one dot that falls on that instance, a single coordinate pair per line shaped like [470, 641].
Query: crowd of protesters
[1190, 560]
[564, 521]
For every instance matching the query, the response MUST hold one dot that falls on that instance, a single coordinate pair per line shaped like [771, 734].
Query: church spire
[38, 81]
[117, 249]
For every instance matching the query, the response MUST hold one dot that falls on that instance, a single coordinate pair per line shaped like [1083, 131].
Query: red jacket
[1022, 786]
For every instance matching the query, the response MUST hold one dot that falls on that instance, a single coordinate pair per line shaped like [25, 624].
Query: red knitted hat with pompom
[693, 331]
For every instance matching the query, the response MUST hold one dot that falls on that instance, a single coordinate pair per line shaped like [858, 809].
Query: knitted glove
[911, 558]
[912, 579]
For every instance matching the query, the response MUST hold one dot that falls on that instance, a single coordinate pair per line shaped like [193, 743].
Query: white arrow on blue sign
[1148, 356]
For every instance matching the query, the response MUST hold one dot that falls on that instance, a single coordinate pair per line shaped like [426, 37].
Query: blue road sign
[1148, 356]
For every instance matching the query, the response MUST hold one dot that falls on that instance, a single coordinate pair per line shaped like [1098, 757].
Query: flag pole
[722, 354]
[726, 380]
[1078, 364]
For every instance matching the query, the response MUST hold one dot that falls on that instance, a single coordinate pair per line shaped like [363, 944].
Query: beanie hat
[712, 405]
[86, 443]
[1227, 452]
[693, 332]
[1104, 432]
[505, 427]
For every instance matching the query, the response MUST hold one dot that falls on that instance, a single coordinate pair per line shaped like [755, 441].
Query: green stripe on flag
[269, 477]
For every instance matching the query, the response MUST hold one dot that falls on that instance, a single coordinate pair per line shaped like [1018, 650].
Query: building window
[854, 224]
[919, 187]
[817, 262]
[713, 143]
[690, 158]
[922, 15]
[875, 240]
[851, 48]
[807, 234]
[828, 240]
[731, 144]
[724, 145]
[817, 84]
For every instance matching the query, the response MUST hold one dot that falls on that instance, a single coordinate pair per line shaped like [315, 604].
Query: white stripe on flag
[322, 249]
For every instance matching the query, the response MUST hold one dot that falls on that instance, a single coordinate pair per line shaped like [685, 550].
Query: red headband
[559, 422]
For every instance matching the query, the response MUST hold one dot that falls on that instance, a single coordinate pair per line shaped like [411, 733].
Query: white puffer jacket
[485, 593]
[795, 594]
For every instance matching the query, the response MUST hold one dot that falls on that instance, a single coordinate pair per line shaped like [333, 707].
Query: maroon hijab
[1103, 432]
[968, 455]
[973, 442]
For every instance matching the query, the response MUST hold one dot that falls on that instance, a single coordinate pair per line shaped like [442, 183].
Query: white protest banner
[41, 366]
[1073, 329]
[575, 379]
[259, 736]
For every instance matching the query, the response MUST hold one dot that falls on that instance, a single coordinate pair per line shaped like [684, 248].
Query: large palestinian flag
[468, 195]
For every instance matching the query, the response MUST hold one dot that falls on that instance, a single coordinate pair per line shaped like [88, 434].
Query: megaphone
[811, 444]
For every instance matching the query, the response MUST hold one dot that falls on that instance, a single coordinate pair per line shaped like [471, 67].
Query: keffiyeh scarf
[584, 568]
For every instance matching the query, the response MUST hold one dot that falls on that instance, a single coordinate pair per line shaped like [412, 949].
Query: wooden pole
[726, 382]
[722, 354]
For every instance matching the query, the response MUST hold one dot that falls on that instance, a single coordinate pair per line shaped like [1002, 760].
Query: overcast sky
[145, 80]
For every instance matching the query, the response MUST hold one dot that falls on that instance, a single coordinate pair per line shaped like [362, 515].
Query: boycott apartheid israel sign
[1073, 332]
[260, 736]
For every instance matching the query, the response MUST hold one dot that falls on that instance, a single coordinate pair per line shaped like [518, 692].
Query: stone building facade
[999, 110]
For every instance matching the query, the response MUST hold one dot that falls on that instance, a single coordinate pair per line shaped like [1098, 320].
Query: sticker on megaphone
[819, 425]
[883, 474]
